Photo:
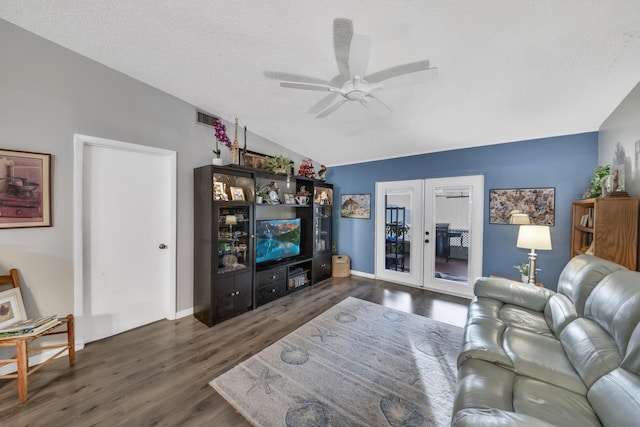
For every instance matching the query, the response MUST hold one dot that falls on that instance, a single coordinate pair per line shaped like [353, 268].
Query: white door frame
[80, 142]
[476, 228]
[414, 276]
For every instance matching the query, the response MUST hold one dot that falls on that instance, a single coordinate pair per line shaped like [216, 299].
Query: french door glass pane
[452, 222]
[398, 231]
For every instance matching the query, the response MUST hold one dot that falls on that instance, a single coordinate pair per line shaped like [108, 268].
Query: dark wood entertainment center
[227, 279]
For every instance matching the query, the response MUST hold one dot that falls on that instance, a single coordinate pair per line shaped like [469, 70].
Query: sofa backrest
[614, 306]
[578, 278]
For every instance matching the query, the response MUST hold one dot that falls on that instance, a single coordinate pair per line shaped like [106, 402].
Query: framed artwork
[289, 199]
[219, 192]
[355, 206]
[537, 203]
[11, 308]
[237, 193]
[253, 159]
[25, 189]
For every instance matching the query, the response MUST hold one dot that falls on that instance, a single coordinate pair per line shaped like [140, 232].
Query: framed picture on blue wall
[535, 205]
[355, 206]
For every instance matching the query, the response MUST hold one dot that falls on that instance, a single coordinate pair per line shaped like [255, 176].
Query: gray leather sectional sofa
[534, 357]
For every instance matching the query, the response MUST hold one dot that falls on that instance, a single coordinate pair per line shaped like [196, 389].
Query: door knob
[162, 246]
[426, 233]
[426, 241]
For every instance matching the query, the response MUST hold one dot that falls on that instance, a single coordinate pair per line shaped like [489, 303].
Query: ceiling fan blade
[342, 34]
[323, 103]
[359, 56]
[308, 86]
[398, 70]
[331, 109]
[374, 104]
[294, 77]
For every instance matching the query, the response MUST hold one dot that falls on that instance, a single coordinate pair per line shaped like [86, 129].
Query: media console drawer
[266, 294]
[274, 276]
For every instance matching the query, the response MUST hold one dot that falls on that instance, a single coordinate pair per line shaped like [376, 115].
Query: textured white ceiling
[508, 70]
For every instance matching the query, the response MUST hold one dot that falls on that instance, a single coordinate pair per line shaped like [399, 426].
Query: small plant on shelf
[279, 164]
[262, 191]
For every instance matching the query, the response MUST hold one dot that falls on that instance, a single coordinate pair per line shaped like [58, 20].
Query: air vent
[206, 119]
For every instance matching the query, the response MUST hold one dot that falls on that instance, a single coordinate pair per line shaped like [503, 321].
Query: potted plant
[279, 164]
[396, 234]
[524, 271]
[600, 174]
[221, 137]
[262, 193]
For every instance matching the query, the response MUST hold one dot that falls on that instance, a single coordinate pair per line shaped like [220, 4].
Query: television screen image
[277, 239]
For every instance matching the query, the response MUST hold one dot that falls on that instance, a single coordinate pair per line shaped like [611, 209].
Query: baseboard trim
[363, 274]
[184, 313]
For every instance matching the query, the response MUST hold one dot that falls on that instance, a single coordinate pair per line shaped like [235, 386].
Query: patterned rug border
[392, 406]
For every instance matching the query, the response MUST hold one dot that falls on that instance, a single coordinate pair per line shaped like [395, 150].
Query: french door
[429, 233]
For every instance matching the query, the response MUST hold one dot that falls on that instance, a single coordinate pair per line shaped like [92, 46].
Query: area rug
[356, 364]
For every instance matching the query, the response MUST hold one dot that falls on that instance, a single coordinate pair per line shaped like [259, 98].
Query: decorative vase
[235, 149]
[259, 200]
[525, 278]
[216, 161]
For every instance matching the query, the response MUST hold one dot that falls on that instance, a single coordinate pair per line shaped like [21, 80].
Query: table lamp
[534, 237]
[230, 220]
[517, 217]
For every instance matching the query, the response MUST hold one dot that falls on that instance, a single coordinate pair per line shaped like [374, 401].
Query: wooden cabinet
[606, 227]
[223, 243]
[322, 231]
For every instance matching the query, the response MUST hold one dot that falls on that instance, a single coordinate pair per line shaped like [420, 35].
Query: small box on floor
[341, 266]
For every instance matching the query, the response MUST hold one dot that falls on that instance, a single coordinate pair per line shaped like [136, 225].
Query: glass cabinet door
[323, 201]
[234, 239]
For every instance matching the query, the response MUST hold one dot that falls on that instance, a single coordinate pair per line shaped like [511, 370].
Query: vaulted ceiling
[507, 70]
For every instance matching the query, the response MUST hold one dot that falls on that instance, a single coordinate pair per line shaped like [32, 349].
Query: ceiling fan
[352, 84]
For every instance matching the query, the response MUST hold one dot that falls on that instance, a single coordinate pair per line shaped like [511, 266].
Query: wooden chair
[22, 344]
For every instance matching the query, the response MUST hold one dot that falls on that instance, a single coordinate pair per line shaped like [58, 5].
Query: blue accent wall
[564, 162]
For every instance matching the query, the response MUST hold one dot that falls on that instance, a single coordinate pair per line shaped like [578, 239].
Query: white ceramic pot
[217, 161]
[259, 200]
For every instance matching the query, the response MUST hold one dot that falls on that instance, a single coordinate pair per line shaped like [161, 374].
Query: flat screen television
[277, 239]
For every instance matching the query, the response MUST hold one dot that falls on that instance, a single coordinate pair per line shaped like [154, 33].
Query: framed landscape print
[537, 203]
[25, 189]
[355, 206]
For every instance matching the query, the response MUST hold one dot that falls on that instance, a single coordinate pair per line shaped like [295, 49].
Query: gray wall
[48, 93]
[621, 130]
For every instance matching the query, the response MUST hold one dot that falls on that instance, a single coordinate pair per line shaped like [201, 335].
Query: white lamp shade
[519, 218]
[534, 237]
[231, 220]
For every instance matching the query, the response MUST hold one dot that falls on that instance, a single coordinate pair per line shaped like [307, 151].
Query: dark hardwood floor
[159, 374]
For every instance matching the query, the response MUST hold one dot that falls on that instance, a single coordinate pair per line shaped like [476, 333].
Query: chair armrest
[512, 292]
[473, 417]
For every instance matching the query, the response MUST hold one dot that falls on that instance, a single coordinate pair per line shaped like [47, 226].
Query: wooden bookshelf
[606, 227]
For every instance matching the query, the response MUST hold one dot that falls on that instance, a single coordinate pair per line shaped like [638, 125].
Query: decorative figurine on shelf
[235, 148]
[274, 197]
[322, 172]
[306, 169]
[303, 192]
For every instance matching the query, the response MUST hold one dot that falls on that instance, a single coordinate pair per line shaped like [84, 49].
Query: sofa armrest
[474, 417]
[512, 292]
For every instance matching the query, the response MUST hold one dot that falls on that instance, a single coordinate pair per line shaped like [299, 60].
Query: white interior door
[399, 231]
[128, 237]
[453, 220]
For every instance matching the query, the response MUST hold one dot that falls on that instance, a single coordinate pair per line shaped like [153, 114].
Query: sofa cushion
[591, 350]
[510, 292]
[487, 320]
[616, 398]
[543, 358]
[474, 417]
[484, 386]
[614, 303]
[581, 275]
